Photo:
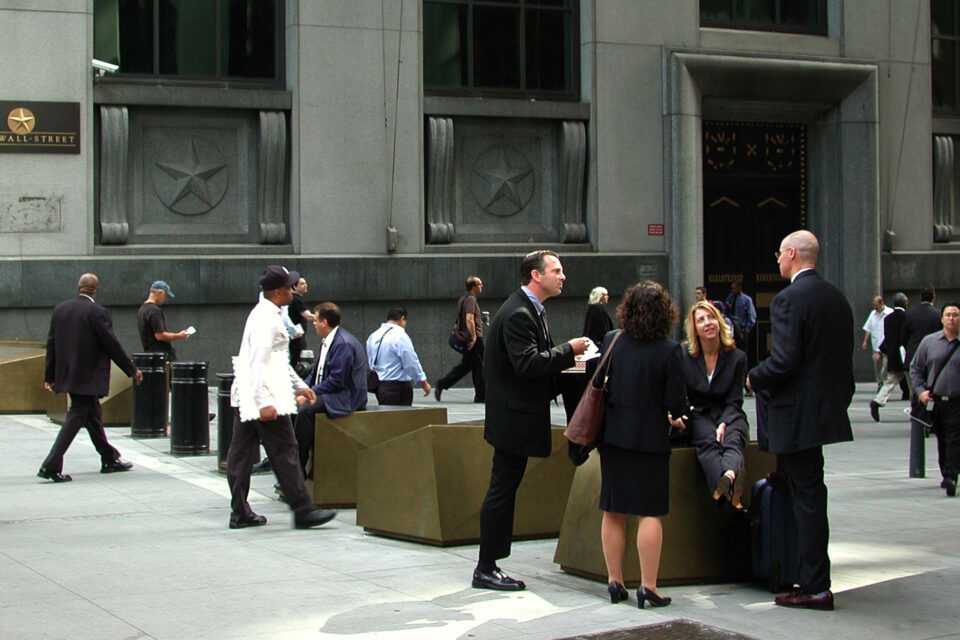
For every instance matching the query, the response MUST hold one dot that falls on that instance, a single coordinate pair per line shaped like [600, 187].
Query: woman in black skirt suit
[645, 384]
[715, 372]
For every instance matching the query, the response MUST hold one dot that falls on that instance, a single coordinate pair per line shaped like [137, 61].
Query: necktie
[320, 364]
[546, 328]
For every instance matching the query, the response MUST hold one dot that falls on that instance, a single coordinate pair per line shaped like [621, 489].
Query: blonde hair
[596, 294]
[690, 327]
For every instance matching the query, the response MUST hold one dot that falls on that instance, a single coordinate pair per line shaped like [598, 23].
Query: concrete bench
[338, 441]
[116, 406]
[22, 364]
[693, 531]
[427, 486]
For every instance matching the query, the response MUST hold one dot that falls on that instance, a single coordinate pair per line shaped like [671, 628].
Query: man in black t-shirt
[302, 316]
[153, 327]
[470, 321]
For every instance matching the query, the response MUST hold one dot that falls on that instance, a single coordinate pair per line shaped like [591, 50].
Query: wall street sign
[39, 127]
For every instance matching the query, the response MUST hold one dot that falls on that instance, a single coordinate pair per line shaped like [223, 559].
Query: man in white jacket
[264, 393]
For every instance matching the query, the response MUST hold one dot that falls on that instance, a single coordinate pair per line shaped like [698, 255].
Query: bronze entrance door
[754, 193]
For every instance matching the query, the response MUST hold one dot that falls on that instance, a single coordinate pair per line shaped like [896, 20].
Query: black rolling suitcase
[775, 550]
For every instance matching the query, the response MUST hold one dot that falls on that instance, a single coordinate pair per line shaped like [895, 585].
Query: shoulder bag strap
[603, 360]
[380, 344]
[956, 343]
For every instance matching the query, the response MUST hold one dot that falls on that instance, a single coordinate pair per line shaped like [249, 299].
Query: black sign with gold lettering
[39, 127]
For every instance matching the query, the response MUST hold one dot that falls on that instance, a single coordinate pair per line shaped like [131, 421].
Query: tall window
[800, 16]
[500, 47]
[190, 39]
[944, 50]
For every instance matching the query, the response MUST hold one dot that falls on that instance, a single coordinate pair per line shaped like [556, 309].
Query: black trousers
[281, 445]
[804, 471]
[496, 514]
[470, 362]
[305, 429]
[946, 424]
[395, 392]
[84, 413]
[717, 457]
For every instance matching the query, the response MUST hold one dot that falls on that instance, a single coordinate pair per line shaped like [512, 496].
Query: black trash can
[224, 419]
[149, 415]
[189, 405]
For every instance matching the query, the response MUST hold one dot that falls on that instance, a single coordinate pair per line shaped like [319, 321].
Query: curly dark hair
[647, 312]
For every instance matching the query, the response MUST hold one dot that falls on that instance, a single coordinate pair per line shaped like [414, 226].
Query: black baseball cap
[275, 277]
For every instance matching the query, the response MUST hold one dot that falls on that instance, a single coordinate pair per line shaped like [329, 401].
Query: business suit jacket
[645, 381]
[596, 323]
[892, 326]
[721, 398]
[80, 346]
[919, 322]
[809, 374]
[343, 384]
[520, 366]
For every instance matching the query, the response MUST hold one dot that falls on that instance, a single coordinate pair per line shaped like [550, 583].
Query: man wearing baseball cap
[153, 326]
[264, 392]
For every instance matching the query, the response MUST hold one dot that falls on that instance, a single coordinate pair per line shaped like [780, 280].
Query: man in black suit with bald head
[80, 346]
[809, 379]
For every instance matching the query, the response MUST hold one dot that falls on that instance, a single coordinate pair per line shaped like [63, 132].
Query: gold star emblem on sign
[21, 120]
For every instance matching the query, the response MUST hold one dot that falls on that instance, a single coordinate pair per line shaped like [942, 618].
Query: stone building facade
[387, 149]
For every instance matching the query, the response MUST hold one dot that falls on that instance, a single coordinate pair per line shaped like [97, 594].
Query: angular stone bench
[22, 364]
[116, 405]
[693, 531]
[427, 486]
[338, 441]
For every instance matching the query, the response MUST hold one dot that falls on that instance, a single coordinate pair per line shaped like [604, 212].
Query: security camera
[100, 67]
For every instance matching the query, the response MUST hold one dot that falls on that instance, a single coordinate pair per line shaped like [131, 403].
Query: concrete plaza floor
[148, 554]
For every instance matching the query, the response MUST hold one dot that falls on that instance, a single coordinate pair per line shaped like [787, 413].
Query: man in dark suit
[809, 379]
[919, 322]
[338, 377]
[520, 369]
[892, 324]
[80, 346]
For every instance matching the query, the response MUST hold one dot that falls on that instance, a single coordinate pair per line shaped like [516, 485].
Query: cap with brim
[160, 285]
[275, 276]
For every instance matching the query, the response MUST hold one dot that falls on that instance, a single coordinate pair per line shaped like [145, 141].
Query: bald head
[799, 250]
[89, 284]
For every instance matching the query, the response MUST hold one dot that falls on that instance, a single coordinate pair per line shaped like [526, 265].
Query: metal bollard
[149, 415]
[189, 420]
[224, 419]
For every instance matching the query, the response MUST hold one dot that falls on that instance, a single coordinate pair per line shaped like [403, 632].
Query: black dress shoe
[617, 592]
[115, 466]
[644, 595]
[496, 580]
[437, 391]
[950, 486]
[263, 466]
[875, 410]
[56, 476]
[238, 521]
[800, 599]
[314, 518]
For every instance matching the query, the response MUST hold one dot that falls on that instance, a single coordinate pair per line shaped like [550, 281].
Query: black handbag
[459, 340]
[584, 425]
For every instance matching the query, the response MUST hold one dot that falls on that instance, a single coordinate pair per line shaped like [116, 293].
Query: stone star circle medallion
[502, 181]
[193, 183]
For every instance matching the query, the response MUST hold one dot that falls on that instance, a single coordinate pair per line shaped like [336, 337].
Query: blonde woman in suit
[715, 371]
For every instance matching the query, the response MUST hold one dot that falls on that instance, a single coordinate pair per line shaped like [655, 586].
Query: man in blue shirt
[390, 353]
[740, 306]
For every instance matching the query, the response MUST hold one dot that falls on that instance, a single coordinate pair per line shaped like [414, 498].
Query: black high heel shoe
[645, 595]
[617, 592]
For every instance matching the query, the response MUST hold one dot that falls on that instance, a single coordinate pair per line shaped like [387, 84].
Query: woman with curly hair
[715, 371]
[645, 384]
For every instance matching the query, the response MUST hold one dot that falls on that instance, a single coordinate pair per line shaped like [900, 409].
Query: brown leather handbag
[584, 425]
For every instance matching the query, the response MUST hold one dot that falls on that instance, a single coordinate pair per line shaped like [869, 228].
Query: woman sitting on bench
[715, 371]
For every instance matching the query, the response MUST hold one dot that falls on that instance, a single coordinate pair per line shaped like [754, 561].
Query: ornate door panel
[754, 193]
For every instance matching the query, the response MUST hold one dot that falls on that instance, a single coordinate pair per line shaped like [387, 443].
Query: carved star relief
[503, 180]
[192, 178]
[21, 120]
